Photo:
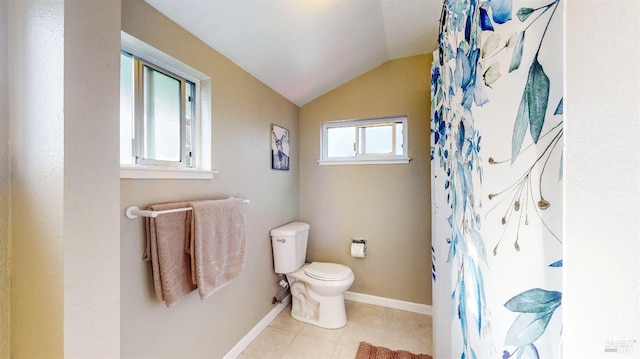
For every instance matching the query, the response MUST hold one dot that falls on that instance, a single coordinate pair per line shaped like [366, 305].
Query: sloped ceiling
[304, 48]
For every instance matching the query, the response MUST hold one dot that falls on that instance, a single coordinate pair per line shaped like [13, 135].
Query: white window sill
[360, 161]
[150, 172]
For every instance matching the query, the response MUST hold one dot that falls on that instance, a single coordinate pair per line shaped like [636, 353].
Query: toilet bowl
[320, 300]
[317, 289]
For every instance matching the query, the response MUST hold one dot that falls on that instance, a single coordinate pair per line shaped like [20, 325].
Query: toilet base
[311, 308]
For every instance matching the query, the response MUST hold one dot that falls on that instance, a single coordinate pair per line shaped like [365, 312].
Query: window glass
[189, 125]
[366, 141]
[399, 139]
[162, 116]
[376, 139]
[341, 141]
[126, 108]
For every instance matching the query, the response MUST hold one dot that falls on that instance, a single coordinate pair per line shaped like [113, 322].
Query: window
[381, 140]
[162, 132]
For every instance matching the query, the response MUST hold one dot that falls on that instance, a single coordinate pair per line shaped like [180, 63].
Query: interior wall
[91, 186]
[36, 41]
[5, 299]
[602, 192]
[64, 223]
[242, 110]
[388, 205]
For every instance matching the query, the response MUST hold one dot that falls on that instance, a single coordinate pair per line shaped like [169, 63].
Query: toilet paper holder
[360, 241]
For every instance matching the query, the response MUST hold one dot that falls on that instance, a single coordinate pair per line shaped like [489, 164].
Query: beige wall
[37, 177]
[243, 110]
[91, 215]
[388, 205]
[4, 187]
[63, 91]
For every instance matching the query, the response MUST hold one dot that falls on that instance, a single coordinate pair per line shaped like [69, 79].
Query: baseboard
[257, 329]
[389, 303]
[356, 297]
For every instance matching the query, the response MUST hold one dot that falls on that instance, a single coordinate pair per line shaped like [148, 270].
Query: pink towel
[218, 244]
[167, 237]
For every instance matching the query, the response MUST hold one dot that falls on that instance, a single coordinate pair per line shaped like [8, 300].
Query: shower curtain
[496, 159]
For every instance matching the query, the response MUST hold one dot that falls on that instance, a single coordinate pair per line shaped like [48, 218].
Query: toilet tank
[289, 244]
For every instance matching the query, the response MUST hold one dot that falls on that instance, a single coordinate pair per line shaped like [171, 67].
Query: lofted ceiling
[304, 48]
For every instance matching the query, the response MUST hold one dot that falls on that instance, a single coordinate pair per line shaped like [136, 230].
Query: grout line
[289, 345]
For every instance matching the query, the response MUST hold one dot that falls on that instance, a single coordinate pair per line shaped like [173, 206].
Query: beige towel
[167, 237]
[218, 244]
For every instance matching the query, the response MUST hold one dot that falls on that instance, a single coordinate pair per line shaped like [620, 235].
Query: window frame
[366, 158]
[201, 153]
[187, 158]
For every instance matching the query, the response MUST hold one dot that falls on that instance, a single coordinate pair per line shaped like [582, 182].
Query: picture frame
[280, 151]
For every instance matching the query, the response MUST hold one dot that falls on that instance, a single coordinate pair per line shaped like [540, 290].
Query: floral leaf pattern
[485, 20]
[527, 328]
[516, 59]
[501, 10]
[556, 264]
[455, 147]
[473, 43]
[560, 108]
[534, 301]
[533, 108]
[536, 307]
[520, 128]
[523, 13]
[537, 94]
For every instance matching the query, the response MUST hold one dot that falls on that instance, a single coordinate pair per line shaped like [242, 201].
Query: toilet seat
[328, 271]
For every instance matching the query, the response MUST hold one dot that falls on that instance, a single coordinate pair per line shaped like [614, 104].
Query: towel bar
[133, 212]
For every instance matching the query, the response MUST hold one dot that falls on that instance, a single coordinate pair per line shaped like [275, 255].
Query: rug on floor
[369, 351]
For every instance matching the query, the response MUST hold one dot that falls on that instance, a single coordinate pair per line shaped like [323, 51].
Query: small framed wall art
[280, 152]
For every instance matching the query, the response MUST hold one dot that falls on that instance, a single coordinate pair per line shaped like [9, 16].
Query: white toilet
[317, 288]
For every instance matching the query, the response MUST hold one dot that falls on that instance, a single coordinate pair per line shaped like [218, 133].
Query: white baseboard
[257, 329]
[389, 303]
[356, 297]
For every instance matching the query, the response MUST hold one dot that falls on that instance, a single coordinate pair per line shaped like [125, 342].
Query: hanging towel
[168, 236]
[218, 244]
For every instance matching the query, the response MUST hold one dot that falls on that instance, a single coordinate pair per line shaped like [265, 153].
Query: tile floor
[287, 338]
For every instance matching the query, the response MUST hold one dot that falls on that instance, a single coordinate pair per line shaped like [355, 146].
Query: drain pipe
[282, 293]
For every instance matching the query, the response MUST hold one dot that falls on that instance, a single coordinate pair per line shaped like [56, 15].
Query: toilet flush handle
[281, 240]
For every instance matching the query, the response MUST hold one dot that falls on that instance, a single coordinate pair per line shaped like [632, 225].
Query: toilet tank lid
[289, 229]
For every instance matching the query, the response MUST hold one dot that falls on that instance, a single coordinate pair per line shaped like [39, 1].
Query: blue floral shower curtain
[496, 152]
